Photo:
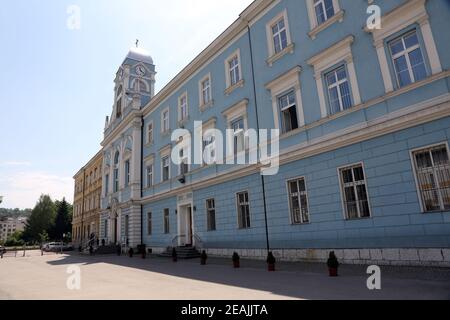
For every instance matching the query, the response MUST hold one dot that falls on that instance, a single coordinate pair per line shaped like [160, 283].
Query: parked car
[57, 246]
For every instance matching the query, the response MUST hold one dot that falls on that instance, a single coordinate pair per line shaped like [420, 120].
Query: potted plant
[142, 250]
[118, 250]
[203, 258]
[271, 261]
[174, 255]
[333, 265]
[131, 252]
[236, 260]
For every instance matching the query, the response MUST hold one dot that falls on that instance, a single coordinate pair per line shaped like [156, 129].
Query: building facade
[8, 226]
[364, 121]
[87, 198]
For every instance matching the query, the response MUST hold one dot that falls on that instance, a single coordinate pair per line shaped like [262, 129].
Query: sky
[56, 80]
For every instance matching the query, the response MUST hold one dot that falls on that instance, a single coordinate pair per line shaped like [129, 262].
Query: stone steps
[182, 253]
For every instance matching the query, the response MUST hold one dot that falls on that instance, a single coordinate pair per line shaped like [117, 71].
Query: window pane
[293, 187]
[417, 64]
[329, 8]
[347, 176]
[334, 101]
[304, 204]
[397, 47]
[358, 173]
[402, 71]
[320, 14]
[295, 210]
[411, 40]
[345, 94]
[423, 160]
[440, 156]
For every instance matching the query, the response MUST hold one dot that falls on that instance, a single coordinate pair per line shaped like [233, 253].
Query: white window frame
[288, 188]
[273, 55]
[231, 86]
[413, 11]
[342, 191]
[416, 179]
[238, 210]
[208, 217]
[316, 28]
[406, 53]
[183, 115]
[201, 91]
[148, 183]
[288, 81]
[239, 110]
[162, 168]
[165, 130]
[337, 85]
[150, 132]
[184, 161]
[327, 59]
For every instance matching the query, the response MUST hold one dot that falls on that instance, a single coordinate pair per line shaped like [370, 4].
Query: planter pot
[333, 272]
[271, 267]
[236, 264]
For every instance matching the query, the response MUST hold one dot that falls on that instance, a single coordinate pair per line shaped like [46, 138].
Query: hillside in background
[14, 213]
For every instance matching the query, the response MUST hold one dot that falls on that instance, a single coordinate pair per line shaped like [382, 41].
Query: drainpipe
[82, 208]
[263, 182]
[141, 178]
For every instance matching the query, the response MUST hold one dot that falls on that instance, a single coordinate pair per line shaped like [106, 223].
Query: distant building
[10, 225]
[86, 205]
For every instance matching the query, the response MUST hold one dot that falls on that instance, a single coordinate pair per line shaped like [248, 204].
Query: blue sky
[56, 84]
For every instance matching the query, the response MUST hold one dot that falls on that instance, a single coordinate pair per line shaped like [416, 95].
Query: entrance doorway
[185, 226]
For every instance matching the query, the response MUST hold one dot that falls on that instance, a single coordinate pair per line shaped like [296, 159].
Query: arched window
[140, 85]
[116, 171]
[119, 102]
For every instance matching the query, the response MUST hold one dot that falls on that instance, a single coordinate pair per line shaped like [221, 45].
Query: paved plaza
[112, 277]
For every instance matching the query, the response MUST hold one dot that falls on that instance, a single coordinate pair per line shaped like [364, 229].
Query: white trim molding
[274, 56]
[413, 11]
[330, 57]
[316, 28]
[289, 80]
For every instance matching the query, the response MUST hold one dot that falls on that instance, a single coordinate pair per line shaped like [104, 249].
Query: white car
[53, 246]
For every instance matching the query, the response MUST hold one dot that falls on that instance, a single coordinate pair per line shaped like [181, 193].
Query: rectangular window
[149, 176]
[408, 59]
[149, 223]
[150, 133]
[106, 184]
[338, 90]
[183, 108]
[235, 74]
[432, 168]
[127, 173]
[184, 167]
[209, 144]
[324, 10]
[239, 137]
[165, 121]
[166, 221]
[127, 227]
[206, 91]
[106, 228]
[354, 191]
[116, 179]
[243, 210]
[165, 174]
[211, 214]
[279, 35]
[288, 109]
[298, 201]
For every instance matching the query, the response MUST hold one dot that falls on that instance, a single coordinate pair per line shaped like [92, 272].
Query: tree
[63, 220]
[15, 240]
[42, 219]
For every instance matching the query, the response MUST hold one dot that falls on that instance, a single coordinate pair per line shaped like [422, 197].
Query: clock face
[140, 70]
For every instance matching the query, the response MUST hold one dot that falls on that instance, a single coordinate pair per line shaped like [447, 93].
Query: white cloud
[23, 189]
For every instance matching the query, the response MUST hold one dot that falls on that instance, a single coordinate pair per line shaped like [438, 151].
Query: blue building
[364, 121]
